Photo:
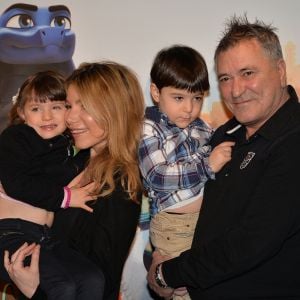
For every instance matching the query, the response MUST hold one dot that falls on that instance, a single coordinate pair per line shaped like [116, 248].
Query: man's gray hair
[238, 29]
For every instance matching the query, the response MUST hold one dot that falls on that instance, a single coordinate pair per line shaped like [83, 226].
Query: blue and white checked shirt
[173, 161]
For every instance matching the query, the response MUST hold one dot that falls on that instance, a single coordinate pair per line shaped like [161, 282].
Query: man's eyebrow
[22, 6]
[54, 8]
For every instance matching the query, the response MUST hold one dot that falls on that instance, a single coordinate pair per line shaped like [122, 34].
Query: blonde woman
[105, 113]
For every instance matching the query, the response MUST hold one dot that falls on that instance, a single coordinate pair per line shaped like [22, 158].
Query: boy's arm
[162, 164]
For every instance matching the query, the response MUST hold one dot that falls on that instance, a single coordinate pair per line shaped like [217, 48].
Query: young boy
[174, 155]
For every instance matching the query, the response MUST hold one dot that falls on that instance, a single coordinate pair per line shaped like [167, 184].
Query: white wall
[133, 31]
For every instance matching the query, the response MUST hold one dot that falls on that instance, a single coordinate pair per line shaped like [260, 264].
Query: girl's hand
[76, 180]
[81, 195]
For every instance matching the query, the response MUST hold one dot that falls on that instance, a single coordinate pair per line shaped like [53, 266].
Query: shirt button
[227, 174]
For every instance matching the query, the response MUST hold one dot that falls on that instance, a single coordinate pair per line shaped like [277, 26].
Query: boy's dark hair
[40, 87]
[180, 67]
[238, 29]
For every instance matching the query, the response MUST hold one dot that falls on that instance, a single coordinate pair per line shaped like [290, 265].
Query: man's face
[251, 83]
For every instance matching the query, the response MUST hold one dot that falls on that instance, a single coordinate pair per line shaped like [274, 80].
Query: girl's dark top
[34, 170]
[104, 236]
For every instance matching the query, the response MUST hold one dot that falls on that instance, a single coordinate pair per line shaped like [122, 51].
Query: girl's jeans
[64, 273]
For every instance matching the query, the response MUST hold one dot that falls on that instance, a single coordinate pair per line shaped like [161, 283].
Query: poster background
[133, 31]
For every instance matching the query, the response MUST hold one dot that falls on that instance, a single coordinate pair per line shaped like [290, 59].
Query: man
[247, 239]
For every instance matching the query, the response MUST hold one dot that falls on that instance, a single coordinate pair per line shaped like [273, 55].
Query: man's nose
[237, 88]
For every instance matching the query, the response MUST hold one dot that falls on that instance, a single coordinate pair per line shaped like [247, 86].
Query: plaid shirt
[173, 161]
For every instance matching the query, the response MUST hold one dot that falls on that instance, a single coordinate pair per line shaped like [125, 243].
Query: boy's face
[181, 107]
[47, 119]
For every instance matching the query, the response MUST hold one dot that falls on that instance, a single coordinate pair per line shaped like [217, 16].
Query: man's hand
[163, 292]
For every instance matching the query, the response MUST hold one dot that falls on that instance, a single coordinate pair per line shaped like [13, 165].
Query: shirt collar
[154, 114]
[277, 124]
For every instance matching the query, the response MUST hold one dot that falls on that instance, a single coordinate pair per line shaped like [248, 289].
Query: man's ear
[154, 92]
[282, 71]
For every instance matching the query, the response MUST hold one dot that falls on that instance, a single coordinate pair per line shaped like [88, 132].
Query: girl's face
[87, 133]
[47, 119]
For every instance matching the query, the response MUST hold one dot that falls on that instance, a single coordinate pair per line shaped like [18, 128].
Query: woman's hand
[27, 279]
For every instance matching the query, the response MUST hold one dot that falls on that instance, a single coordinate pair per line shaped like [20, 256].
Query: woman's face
[85, 131]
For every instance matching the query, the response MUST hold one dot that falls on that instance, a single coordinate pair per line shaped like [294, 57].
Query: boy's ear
[154, 92]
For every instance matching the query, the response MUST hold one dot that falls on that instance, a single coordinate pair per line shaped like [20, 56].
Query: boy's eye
[198, 98]
[34, 109]
[178, 98]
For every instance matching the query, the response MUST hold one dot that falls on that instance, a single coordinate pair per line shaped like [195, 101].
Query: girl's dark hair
[40, 87]
[180, 67]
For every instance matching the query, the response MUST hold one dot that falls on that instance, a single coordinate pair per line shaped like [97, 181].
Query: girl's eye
[57, 107]
[68, 106]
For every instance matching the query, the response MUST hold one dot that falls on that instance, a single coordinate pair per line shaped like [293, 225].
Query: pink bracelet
[68, 196]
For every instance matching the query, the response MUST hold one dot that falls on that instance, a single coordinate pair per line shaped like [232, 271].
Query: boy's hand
[220, 155]
[81, 195]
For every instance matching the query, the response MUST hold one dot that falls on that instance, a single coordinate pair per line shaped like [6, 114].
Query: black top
[247, 239]
[34, 170]
[103, 236]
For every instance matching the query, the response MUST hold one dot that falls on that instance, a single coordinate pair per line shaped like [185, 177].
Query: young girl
[36, 164]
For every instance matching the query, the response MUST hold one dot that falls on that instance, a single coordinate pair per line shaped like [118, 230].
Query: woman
[105, 113]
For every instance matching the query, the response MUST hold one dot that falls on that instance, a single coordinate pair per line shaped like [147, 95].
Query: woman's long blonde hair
[112, 95]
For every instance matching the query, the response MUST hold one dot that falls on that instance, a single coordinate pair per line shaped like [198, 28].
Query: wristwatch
[158, 278]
